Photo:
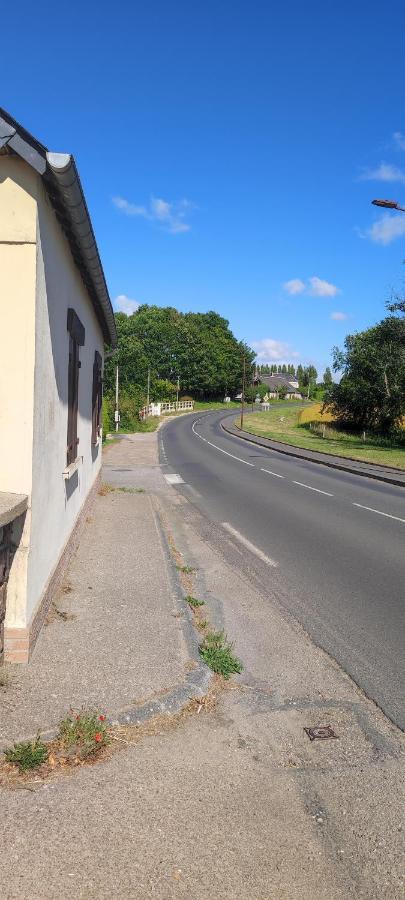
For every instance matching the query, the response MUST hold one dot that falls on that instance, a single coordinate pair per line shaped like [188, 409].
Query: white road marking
[379, 513]
[269, 472]
[174, 479]
[242, 540]
[327, 494]
[220, 448]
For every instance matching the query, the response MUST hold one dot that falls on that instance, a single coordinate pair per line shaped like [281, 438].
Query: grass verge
[292, 426]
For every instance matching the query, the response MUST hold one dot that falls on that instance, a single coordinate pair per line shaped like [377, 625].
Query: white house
[55, 319]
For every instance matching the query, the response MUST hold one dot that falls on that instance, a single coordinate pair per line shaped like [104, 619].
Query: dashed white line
[253, 549]
[379, 513]
[269, 472]
[310, 488]
[220, 448]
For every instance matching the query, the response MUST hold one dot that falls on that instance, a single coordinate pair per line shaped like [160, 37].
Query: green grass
[215, 404]
[217, 653]
[281, 424]
[192, 601]
[27, 754]
[187, 570]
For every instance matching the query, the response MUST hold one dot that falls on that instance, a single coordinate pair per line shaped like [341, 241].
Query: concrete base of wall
[19, 643]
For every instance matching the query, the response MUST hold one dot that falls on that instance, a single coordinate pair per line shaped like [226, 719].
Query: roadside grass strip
[217, 652]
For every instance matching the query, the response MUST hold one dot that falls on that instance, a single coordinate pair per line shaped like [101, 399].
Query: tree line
[196, 353]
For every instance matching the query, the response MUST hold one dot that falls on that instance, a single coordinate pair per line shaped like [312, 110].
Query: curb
[196, 682]
[280, 448]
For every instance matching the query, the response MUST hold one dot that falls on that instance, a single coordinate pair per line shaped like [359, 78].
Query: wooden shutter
[76, 339]
[96, 397]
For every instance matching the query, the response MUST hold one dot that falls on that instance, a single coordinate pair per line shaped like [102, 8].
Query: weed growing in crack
[84, 733]
[192, 601]
[27, 754]
[217, 653]
[187, 570]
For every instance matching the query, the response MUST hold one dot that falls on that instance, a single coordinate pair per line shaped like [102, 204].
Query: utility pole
[116, 399]
[243, 391]
[148, 393]
[177, 393]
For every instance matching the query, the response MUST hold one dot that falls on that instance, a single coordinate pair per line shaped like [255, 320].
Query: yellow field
[314, 413]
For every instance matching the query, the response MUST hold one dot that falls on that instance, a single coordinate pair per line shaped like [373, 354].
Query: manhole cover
[320, 733]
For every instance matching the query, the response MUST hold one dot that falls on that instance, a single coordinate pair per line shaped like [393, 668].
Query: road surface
[331, 544]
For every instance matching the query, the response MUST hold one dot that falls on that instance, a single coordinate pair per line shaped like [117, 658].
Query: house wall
[39, 282]
[56, 502]
[18, 186]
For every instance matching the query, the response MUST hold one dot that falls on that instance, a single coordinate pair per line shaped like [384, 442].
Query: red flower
[77, 717]
[98, 737]
[102, 718]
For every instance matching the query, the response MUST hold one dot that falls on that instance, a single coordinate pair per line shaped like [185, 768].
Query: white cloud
[386, 229]
[269, 350]
[320, 288]
[338, 316]
[294, 286]
[124, 304]
[384, 172]
[314, 286]
[399, 140]
[170, 216]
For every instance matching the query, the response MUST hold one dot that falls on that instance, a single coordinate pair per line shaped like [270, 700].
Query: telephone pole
[148, 392]
[243, 391]
[116, 399]
[177, 393]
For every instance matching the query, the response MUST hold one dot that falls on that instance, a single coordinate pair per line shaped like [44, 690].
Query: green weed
[217, 653]
[187, 570]
[84, 732]
[192, 601]
[27, 754]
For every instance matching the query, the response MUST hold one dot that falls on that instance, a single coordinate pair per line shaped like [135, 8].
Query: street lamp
[388, 204]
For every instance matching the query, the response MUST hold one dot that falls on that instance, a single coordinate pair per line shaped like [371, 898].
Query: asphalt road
[330, 544]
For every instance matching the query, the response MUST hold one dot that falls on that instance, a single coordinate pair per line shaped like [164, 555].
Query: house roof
[277, 381]
[61, 180]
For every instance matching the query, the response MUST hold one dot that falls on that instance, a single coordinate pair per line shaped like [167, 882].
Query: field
[287, 424]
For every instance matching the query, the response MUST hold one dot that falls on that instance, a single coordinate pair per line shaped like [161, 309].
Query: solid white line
[220, 448]
[313, 489]
[269, 472]
[379, 513]
[239, 537]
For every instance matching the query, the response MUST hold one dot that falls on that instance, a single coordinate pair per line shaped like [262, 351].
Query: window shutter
[96, 397]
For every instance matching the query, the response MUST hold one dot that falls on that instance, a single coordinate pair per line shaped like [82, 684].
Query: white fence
[157, 409]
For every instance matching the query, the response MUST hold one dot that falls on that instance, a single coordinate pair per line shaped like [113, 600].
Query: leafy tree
[282, 391]
[327, 378]
[284, 369]
[197, 348]
[300, 374]
[371, 393]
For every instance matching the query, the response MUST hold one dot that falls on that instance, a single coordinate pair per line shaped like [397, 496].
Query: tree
[327, 378]
[284, 369]
[371, 392]
[300, 374]
[197, 348]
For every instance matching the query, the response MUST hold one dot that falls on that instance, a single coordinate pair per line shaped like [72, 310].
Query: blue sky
[229, 152]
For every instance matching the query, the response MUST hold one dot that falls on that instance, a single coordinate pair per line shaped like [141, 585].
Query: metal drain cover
[320, 733]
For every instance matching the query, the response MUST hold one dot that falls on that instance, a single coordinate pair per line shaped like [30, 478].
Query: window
[76, 340]
[97, 398]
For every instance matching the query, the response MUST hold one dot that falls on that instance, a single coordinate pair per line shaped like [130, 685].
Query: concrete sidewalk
[114, 638]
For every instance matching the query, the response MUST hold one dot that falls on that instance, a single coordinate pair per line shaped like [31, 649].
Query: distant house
[55, 320]
[275, 382]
